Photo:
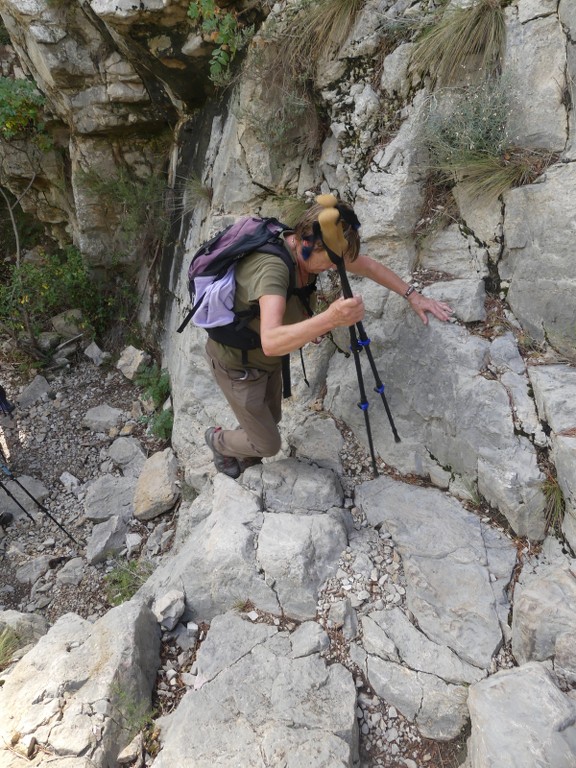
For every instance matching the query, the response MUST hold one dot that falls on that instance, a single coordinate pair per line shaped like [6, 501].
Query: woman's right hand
[346, 312]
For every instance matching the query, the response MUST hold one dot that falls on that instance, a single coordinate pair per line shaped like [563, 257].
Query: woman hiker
[253, 388]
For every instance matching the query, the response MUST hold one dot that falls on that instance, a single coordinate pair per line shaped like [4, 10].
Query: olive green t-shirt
[260, 274]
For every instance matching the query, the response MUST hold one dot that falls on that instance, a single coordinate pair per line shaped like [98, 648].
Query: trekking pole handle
[332, 234]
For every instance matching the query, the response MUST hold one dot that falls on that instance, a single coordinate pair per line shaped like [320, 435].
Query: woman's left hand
[422, 304]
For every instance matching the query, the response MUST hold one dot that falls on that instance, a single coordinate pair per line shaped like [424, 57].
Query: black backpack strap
[286, 380]
[304, 295]
[185, 322]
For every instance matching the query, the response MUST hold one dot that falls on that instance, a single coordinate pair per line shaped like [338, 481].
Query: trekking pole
[15, 500]
[4, 468]
[336, 244]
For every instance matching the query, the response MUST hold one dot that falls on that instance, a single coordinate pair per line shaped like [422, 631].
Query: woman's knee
[268, 446]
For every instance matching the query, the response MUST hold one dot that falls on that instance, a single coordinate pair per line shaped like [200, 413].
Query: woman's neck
[303, 273]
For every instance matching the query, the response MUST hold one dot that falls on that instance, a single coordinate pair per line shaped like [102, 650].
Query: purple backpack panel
[211, 280]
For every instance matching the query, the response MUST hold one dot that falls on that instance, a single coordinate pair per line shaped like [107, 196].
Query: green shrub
[61, 282]
[161, 424]
[124, 581]
[20, 107]
[288, 208]
[465, 132]
[285, 64]
[155, 382]
[315, 30]
[4, 35]
[226, 30]
[462, 38]
[136, 714]
[156, 386]
[136, 205]
[193, 192]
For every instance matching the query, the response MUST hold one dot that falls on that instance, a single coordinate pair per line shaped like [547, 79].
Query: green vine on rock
[225, 30]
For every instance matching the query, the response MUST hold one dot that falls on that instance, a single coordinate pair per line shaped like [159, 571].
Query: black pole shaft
[356, 347]
[15, 500]
[46, 511]
[35, 500]
[363, 404]
[365, 345]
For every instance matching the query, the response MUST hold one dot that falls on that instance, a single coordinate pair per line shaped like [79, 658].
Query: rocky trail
[49, 450]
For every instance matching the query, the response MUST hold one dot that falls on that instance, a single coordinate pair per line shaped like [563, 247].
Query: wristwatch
[409, 291]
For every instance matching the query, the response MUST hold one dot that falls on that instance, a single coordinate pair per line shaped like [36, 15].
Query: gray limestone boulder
[544, 611]
[131, 361]
[102, 418]
[535, 63]
[107, 539]
[452, 416]
[69, 324]
[108, 496]
[438, 708]
[425, 680]
[97, 355]
[33, 569]
[74, 690]
[316, 439]
[555, 394]
[277, 560]
[308, 638]
[24, 497]
[452, 253]
[29, 627]
[38, 389]
[520, 717]
[467, 298]
[414, 649]
[257, 706]
[564, 458]
[297, 553]
[157, 490]
[216, 566]
[511, 481]
[294, 487]
[128, 455]
[457, 568]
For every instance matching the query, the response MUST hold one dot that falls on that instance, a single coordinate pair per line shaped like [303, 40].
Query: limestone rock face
[538, 260]
[106, 89]
[539, 624]
[529, 718]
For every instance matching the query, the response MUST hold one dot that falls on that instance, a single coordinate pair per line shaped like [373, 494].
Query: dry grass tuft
[285, 64]
[463, 38]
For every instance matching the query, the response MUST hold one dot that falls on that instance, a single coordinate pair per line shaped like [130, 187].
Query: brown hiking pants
[256, 399]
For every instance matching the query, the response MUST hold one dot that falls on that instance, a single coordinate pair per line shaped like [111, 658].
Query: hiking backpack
[212, 283]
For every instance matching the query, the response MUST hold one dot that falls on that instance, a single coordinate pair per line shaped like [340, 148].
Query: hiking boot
[249, 462]
[228, 465]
